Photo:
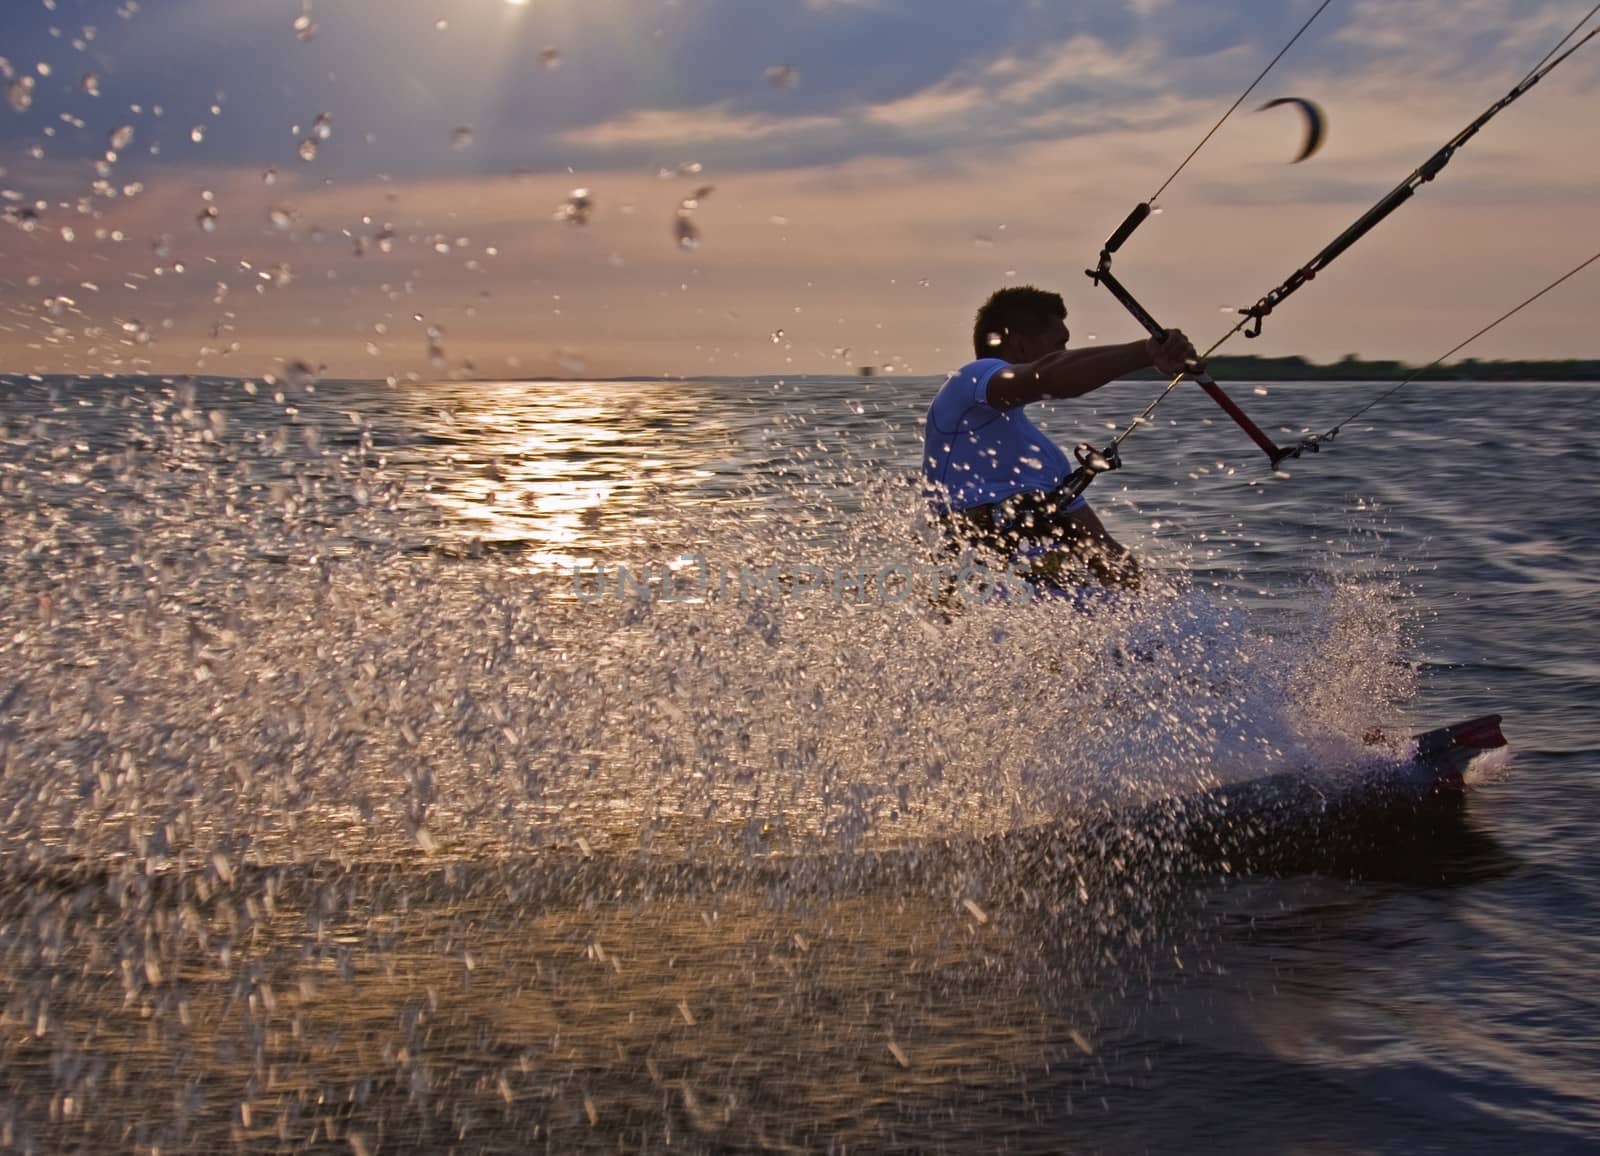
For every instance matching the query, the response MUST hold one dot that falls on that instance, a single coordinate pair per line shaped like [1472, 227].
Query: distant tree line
[1354, 368]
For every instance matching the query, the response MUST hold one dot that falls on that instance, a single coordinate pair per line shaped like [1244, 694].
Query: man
[995, 476]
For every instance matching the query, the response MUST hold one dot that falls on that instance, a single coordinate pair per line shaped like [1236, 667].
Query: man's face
[1047, 338]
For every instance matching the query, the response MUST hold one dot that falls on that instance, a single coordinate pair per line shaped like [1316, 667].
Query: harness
[1034, 534]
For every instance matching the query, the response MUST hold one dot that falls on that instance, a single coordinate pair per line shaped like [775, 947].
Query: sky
[483, 188]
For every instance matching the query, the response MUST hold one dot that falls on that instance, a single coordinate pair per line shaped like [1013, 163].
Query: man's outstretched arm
[1075, 372]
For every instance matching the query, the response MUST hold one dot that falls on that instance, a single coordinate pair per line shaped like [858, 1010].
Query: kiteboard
[1300, 821]
[1393, 816]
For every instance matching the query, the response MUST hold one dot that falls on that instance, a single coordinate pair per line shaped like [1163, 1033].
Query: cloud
[1080, 63]
[1009, 99]
[713, 124]
[935, 106]
[1449, 29]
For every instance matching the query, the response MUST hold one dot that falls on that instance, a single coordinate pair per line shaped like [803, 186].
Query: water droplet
[441, 24]
[208, 218]
[68, 234]
[120, 137]
[308, 149]
[461, 138]
[550, 58]
[282, 219]
[777, 337]
[197, 133]
[322, 126]
[269, 177]
[19, 93]
[304, 29]
[91, 84]
[783, 76]
[576, 208]
[684, 230]
[692, 201]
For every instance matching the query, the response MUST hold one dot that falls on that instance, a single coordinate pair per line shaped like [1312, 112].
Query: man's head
[1020, 323]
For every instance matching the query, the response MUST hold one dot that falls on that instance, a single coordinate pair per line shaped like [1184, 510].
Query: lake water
[348, 802]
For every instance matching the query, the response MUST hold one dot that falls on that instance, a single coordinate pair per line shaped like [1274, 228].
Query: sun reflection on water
[560, 472]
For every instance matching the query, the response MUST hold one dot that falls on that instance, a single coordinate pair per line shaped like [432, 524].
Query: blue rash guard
[975, 454]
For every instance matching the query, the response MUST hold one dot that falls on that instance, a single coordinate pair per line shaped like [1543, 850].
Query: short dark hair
[1016, 307]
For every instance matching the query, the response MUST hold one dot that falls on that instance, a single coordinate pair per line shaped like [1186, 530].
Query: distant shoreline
[1242, 369]
[1352, 368]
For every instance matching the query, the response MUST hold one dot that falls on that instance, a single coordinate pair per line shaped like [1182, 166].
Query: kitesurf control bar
[1102, 275]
